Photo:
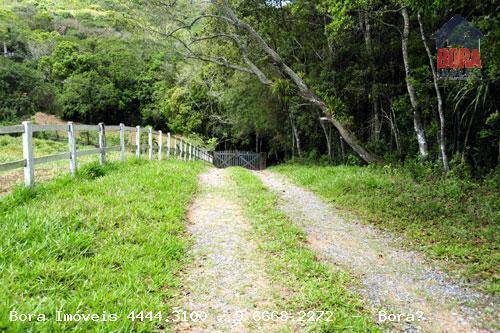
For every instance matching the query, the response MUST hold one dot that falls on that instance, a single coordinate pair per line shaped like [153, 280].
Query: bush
[95, 170]
[22, 91]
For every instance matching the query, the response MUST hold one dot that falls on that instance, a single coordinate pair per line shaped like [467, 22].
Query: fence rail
[12, 129]
[164, 148]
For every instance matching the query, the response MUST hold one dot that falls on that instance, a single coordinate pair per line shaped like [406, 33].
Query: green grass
[312, 286]
[112, 240]
[452, 220]
[11, 148]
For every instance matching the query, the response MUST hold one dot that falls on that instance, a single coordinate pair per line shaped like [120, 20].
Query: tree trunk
[295, 134]
[342, 149]
[328, 140]
[303, 89]
[376, 124]
[466, 139]
[442, 136]
[417, 116]
[396, 131]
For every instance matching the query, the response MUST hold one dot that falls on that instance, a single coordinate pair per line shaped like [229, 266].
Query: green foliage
[89, 97]
[22, 91]
[88, 61]
[88, 70]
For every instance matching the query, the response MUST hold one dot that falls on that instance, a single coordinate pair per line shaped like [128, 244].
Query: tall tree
[376, 123]
[417, 115]
[442, 121]
[243, 34]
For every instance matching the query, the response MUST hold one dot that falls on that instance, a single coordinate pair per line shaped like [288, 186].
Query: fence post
[29, 168]
[102, 144]
[168, 144]
[150, 143]
[138, 141]
[122, 142]
[160, 145]
[72, 148]
[175, 146]
[190, 152]
[181, 148]
[185, 151]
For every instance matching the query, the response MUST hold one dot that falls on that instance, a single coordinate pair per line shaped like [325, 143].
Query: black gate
[246, 159]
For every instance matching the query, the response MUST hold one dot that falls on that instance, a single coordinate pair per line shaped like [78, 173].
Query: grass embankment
[313, 286]
[110, 241]
[450, 219]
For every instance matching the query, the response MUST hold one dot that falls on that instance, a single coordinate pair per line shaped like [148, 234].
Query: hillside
[114, 61]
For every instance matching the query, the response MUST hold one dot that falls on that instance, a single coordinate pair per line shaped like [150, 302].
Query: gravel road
[226, 281]
[394, 280]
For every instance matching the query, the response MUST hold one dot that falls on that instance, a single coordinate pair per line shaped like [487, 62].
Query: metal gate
[246, 159]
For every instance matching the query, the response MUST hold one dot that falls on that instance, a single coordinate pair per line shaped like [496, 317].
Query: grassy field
[11, 150]
[310, 285]
[110, 241]
[452, 220]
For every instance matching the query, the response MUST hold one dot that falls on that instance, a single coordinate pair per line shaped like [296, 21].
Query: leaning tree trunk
[417, 116]
[442, 134]
[303, 90]
[342, 149]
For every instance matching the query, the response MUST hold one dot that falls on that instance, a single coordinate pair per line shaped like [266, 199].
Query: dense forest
[330, 81]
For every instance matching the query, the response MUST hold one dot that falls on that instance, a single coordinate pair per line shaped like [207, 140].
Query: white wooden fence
[180, 148]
